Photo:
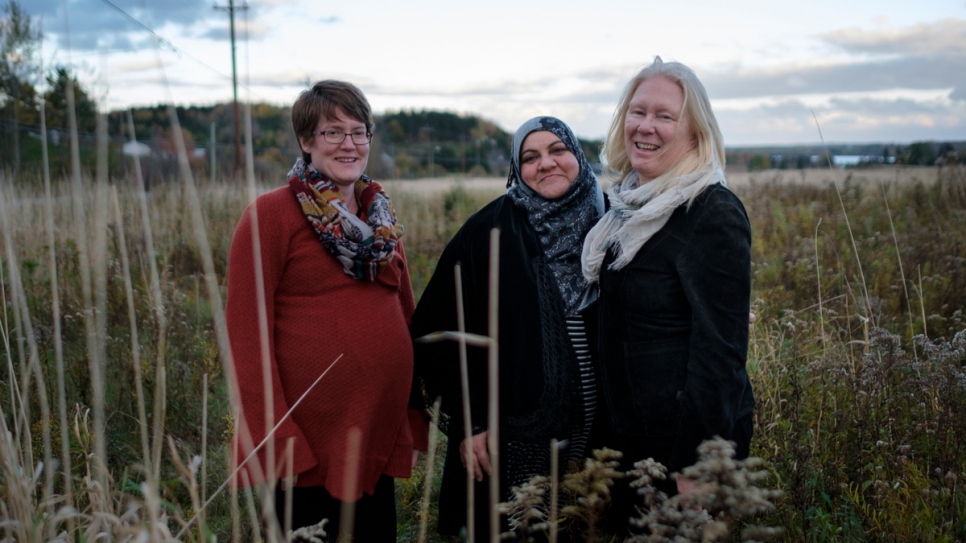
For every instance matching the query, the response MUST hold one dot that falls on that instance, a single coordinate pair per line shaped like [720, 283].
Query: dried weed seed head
[726, 493]
[676, 521]
[728, 483]
[310, 534]
[644, 474]
[527, 509]
[591, 486]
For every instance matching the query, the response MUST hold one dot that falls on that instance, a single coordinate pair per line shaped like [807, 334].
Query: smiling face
[344, 162]
[547, 165]
[656, 133]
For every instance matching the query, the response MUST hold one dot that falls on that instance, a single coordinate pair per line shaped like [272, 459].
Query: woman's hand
[751, 320]
[481, 460]
[415, 459]
[686, 486]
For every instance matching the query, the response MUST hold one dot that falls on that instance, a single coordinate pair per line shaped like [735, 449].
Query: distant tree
[19, 40]
[921, 153]
[780, 162]
[947, 154]
[395, 131]
[591, 149]
[759, 163]
[55, 103]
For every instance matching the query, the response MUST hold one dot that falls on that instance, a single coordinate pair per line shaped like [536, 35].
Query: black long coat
[536, 359]
[673, 333]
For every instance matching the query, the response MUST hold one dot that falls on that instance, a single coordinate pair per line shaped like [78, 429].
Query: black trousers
[375, 515]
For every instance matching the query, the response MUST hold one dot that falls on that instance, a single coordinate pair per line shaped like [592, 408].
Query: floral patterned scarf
[365, 245]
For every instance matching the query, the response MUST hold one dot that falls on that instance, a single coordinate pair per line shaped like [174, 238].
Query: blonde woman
[672, 258]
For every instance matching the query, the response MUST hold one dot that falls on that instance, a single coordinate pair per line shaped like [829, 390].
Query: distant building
[845, 161]
[135, 148]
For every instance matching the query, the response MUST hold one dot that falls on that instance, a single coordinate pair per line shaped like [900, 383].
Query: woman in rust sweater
[335, 284]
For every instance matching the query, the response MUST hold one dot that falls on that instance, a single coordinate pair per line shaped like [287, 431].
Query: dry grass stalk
[493, 426]
[430, 465]
[132, 322]
[252, 510]
[56, 316]
[858, 261]
[289, 485]
[348, 513]
[465, 395]
[204, 439]
[153, 461]
[902, 273]
[268, 406]
[554, 488]
[818, 280]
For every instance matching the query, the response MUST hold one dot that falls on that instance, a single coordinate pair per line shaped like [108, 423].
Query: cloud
[918, 72]
[255, 29]
[479, 90]
[921, 56]
[944, 37]
[764, 108]
[370, 86]
[95, 24]
[858, 119]
[136, 66]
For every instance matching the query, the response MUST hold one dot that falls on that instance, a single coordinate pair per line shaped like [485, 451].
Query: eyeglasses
[359, 137]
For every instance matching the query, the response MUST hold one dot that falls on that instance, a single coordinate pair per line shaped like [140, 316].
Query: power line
[167, 43]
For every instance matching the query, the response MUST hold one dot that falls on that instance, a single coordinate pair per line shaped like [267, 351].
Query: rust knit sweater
[315, 313]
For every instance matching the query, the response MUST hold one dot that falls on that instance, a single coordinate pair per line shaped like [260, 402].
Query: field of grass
[857, 358]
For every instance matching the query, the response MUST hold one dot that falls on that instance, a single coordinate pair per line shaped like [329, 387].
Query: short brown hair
[321, 101]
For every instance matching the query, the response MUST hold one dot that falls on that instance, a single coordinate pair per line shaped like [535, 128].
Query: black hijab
[561, 223]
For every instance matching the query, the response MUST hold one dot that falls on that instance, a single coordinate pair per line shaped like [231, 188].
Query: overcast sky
[883, 70]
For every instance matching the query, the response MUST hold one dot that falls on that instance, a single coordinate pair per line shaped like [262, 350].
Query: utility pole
[214, 150]
[230, 8]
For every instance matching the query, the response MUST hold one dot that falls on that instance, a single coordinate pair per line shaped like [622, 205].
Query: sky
[868, 71]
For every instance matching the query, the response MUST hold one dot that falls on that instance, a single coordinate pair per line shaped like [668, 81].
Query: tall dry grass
[861, 404]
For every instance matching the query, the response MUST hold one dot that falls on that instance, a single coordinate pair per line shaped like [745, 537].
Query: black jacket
[673, 329]
[537, 363]
[536, 359]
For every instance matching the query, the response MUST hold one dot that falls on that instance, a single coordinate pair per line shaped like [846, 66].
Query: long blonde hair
[707, 154]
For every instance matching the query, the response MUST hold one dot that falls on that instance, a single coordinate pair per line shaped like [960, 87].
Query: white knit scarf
[635, 215]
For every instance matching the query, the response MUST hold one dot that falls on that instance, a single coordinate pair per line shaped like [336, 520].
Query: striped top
[526, 460]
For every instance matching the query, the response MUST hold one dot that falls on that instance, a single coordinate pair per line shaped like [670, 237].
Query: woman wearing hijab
[672, 258]
[331, 273]
[547, 382]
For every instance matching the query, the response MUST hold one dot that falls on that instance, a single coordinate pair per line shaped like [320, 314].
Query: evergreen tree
[19, 40]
